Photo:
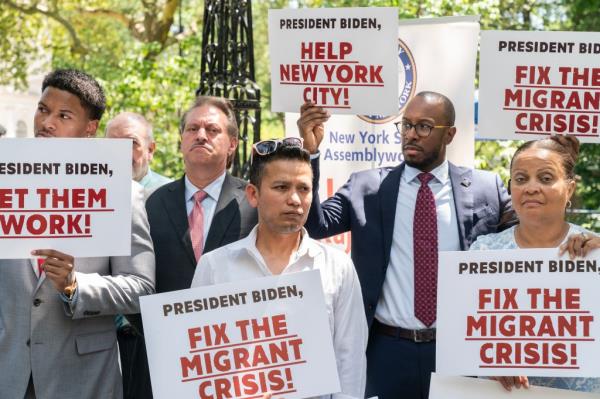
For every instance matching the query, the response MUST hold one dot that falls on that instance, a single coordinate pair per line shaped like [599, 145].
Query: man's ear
[252, 195]
[91, 128]
[151, 149]
[450, 135]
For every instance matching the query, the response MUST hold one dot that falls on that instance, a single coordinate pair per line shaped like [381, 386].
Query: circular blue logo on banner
[407, 84]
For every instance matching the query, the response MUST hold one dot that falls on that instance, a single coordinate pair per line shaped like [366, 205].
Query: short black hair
[283, 152]
[449, 112]
[82, 85]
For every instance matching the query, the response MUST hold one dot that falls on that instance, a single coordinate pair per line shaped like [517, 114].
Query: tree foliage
[147, 55]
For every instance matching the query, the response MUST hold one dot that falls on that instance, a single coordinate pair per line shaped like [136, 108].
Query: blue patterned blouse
[506, 240]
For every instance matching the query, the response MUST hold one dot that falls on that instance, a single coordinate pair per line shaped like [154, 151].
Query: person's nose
[294, 198]
[49, 123]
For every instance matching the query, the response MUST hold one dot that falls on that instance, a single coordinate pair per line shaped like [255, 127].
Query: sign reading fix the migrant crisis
[72, 195]
[518, 312]
[241, 339]
[328, 56]
[534, 84]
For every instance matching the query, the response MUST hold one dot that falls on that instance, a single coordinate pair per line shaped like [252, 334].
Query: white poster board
[449, 387]
[327, 56]
[534, 84]
[518, 312]
[71, 195]
[241, 339]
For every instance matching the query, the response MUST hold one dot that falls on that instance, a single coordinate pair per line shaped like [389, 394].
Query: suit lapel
[463, 201]
[230, 191]
[388, 193]
[176, 210]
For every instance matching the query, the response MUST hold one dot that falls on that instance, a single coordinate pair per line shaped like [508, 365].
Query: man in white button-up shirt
[281, 189]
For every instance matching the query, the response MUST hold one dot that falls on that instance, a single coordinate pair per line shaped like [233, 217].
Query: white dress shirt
[396, 304]
[209, 204]
[241, 260]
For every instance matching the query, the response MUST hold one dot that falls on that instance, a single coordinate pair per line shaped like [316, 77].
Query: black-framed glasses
[422, 129]
[266, 147]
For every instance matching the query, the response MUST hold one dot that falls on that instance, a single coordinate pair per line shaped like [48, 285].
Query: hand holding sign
[58, 267]
[311, 125]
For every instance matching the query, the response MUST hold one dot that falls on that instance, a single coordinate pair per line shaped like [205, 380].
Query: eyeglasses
[267, 147]
[422, 129]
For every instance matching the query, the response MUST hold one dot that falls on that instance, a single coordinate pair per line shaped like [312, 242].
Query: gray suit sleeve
[120, 280]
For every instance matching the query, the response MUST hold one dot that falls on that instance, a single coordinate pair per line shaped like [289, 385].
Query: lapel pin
[465, 182]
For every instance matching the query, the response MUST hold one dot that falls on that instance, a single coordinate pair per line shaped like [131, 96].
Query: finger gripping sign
[327, 56]
[241, 340]
[518, 312]
[72, 195]
[534, 84]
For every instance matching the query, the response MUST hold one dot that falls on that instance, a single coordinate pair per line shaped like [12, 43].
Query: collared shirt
[153, 180]
[396, 304]
[241, 260]
[213, 190]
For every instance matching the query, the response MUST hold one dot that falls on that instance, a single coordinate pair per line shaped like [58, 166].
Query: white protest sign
[72, 195]
[534, 84]
[449, 387]
[518, 312]
[241, 339]
[343, 59]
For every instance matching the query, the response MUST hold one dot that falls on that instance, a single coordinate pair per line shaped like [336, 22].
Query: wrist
[70, 288]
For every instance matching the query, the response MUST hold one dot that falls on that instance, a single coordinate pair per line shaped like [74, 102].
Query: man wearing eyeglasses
[400, 217]
[203, 210]
[281, 189]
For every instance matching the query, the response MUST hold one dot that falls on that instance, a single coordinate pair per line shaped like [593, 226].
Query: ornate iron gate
[227, 69]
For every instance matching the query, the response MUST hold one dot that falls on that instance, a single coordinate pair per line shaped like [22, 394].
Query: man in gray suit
[57, 335]
[209, 137]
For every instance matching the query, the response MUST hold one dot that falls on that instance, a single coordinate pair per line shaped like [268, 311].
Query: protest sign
[449, 387]
[72, 195]
[534, 84]
[518, 312]
[327, 56]
[436, 54]
[241, 339]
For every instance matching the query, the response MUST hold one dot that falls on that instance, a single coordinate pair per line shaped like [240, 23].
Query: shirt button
[28, 342]
[37, 302]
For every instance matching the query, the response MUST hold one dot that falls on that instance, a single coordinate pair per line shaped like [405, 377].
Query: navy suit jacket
[366, 206]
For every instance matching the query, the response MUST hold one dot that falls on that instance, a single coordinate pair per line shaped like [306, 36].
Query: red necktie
[196, 222]
[40, 263]
[425, 250]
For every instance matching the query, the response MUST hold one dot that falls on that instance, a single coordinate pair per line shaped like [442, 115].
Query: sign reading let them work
[72, 195]
[533, 84]
[342, 59]
[241, 339]
[518, 312]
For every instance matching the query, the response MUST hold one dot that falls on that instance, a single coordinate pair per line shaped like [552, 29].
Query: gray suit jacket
[71, 352]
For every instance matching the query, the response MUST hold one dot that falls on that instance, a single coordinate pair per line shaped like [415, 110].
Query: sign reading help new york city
[534, 84]
[342, 59]
[518, 312]
[241, 339]
[72, 195]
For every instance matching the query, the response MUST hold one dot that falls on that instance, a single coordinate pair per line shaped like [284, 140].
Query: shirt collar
[308, 246]
[212, 190]
[146, 179]
[441, 172]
